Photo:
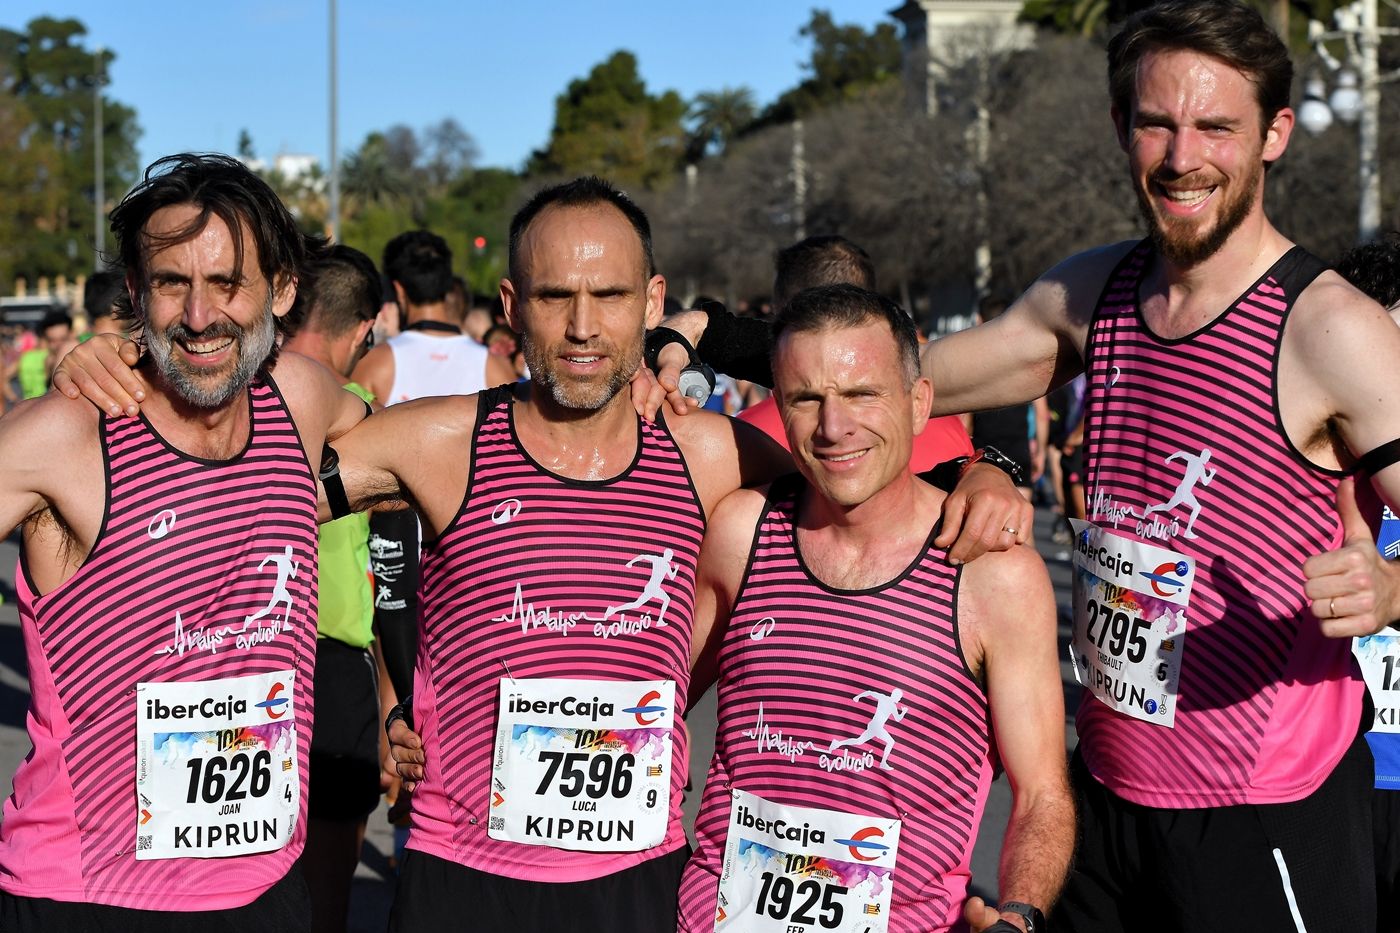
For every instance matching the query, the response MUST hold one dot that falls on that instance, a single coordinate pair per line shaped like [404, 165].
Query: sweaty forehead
[859, 353]
[568, 240]
[1179, 80]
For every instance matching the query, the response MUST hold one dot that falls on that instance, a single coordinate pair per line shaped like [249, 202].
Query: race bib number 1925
[796, 869]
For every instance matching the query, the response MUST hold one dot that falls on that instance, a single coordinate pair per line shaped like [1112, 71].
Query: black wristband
[1002, 926]
[401, 711]
[737, 346]
[660, 337]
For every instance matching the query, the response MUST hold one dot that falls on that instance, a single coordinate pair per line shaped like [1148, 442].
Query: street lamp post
[1357, 97]
[334, 220]
[99, 168]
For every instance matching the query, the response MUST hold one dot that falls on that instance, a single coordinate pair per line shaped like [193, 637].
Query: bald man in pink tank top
[868, 686]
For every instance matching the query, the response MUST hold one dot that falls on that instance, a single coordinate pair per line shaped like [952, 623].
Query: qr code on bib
[498, 823]
[143, 842]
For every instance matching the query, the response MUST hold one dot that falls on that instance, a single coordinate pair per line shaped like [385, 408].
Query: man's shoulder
[707, 434]
[1332, 320]
[303, 381]
[1331, 299]
[997, 583]
[50, 425]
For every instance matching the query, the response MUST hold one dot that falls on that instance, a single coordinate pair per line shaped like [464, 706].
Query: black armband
[1376, 460]
[736, 346]
[329, 474]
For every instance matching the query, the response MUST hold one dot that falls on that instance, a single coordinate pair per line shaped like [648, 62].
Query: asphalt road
[373, 891]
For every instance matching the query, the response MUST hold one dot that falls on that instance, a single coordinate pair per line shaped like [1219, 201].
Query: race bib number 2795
[1131, 601]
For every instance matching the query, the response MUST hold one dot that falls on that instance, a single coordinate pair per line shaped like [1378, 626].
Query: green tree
[608, 124]
[846, 62]
[48, 79]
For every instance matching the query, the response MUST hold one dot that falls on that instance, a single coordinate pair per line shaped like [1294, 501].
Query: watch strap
[1035, 920]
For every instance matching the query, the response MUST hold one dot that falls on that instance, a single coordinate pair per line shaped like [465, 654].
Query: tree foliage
[607, 123]
[846, 62]
[47, 85]
[401, 180]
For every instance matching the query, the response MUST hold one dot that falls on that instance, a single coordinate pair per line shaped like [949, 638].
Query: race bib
[1379, 656]
[1130, 622]
[216, 766]
[583, 764]
[792, 869]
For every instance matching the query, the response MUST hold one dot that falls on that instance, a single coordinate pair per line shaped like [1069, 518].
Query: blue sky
[197, 72]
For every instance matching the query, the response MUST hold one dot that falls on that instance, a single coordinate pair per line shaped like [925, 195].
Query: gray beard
[255, 348]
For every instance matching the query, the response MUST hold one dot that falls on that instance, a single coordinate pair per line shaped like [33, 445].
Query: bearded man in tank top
[168, 587]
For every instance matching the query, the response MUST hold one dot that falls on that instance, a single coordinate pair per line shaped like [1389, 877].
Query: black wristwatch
[1035, 920]
[997, 459]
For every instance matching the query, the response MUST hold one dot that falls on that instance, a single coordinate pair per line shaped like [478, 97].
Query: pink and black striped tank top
[1186, 449]
[163, 596]
[518, 587]
[795, 660]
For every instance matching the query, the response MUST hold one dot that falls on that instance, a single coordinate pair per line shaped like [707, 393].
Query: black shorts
[1269, 867]
[343, 781]
[442, 896]
[283, 908]
[1386, 824]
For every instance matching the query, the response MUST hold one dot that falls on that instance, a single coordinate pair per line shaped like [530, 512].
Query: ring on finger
[1009, 530]
[1332, 608]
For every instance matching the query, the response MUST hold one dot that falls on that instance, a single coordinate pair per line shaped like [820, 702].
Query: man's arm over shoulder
[1036, 344]
[723, 556]
[1006, 611]
[419, 451]
[725, 453]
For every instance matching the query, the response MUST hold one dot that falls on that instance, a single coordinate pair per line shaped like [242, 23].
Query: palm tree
[719, 117]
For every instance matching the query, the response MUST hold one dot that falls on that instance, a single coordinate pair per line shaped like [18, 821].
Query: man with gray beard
[168, 590]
